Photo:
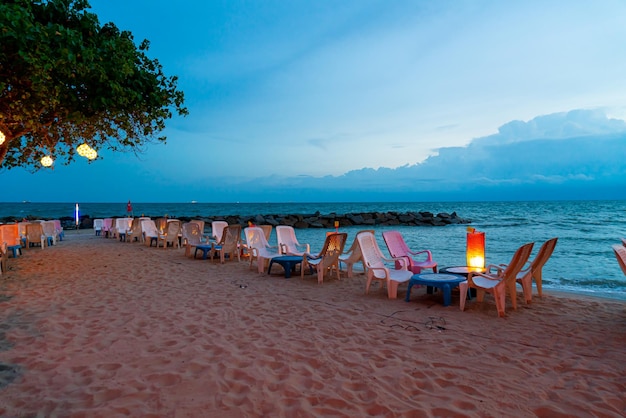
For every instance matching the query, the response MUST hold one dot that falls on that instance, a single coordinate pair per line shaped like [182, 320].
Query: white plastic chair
[259, 248]
[217, 228]
[376, 268]
[97, 226]
[149, 231]
[288, 243]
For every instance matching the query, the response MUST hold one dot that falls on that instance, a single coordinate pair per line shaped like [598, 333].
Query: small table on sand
[205, 248]
[289, 263]
[446, 282]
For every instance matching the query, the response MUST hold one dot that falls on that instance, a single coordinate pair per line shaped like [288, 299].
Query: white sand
[98, 328]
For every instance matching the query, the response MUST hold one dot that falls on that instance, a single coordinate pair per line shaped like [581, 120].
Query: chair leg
[499, 293]
[511, 289]
[463, 288]
[368, 284]
[527, 287]
[320, 274]
[537, 274]
[392, 289]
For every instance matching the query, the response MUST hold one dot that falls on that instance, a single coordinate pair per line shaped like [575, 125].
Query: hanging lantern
[86, 151]
[475, 249]
[92, 154]
[47, 161]
[83, 149]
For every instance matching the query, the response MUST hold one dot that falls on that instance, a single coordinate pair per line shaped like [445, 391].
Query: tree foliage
[65, 79]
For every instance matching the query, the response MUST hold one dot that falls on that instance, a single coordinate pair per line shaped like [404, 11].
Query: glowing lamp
[47, 161]
[475, 249]
[83, 149]
[86, 151]
[2, 138]
[336, 226]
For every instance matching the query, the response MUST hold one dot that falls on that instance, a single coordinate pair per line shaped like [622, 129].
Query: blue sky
[362, 100]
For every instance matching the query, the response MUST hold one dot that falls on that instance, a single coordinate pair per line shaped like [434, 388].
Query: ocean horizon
[583, 261]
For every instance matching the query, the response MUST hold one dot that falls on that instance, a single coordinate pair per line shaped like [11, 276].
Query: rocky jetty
[327, 221]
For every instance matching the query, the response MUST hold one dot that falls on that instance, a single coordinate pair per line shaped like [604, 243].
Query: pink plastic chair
[397, 248]
[107, 227]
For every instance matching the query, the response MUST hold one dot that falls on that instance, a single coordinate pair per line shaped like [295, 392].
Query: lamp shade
[476, 249]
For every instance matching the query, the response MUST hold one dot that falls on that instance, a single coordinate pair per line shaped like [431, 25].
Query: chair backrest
[355, 250]
[255, 238]
[21, 226]
[149, 228]
[217, 228]
[161, 224]
[287, 241]
[10, 234]
[191, 233]
[620, 254]
[370, 251]
[231, 237]
[58, 226]
[97, 224]
[395, 244]
[333, 245]
[123, 224]
[107, 224]
[200, 224]
[173, 228]
[49, 229]
[544, 254]
[267, 230]
[34, 232]
[520, 258]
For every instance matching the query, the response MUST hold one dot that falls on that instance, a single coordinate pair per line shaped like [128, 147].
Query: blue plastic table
[205, 248]
[446, 282]
[289, 263]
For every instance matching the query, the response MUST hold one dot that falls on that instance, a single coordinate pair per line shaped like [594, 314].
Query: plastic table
[446, 282]
[289, 263]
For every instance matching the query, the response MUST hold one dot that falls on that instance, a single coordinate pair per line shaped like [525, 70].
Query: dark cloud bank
[580, 154]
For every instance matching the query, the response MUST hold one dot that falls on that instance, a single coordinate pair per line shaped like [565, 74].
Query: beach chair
[35, 235]
[498, 280]
[620, 254]
[328, 259]
[217, 227]
[230, 243]
[288, 243]
[534, 270]
[377, 270]
[107, 227]
[97, 226]
[353, 255]
[59, 228]
[11, 235]
[50, 231]
[258, 247]
[150, 232]
[135, 232]
[191, 237]
[398, 248]
[170, 235]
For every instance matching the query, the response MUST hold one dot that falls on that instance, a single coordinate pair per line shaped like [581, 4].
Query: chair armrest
[489, 267]
[430, 255]
[305, 247]
[486, 276]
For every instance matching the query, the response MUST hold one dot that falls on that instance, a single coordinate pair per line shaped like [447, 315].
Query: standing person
[129, 209]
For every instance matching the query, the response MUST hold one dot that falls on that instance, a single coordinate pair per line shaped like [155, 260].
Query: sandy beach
[94, 327]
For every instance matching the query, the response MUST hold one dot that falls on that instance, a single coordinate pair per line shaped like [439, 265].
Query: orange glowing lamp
[475, 249]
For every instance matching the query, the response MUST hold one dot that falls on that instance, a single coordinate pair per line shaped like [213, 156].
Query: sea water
[583, 261]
